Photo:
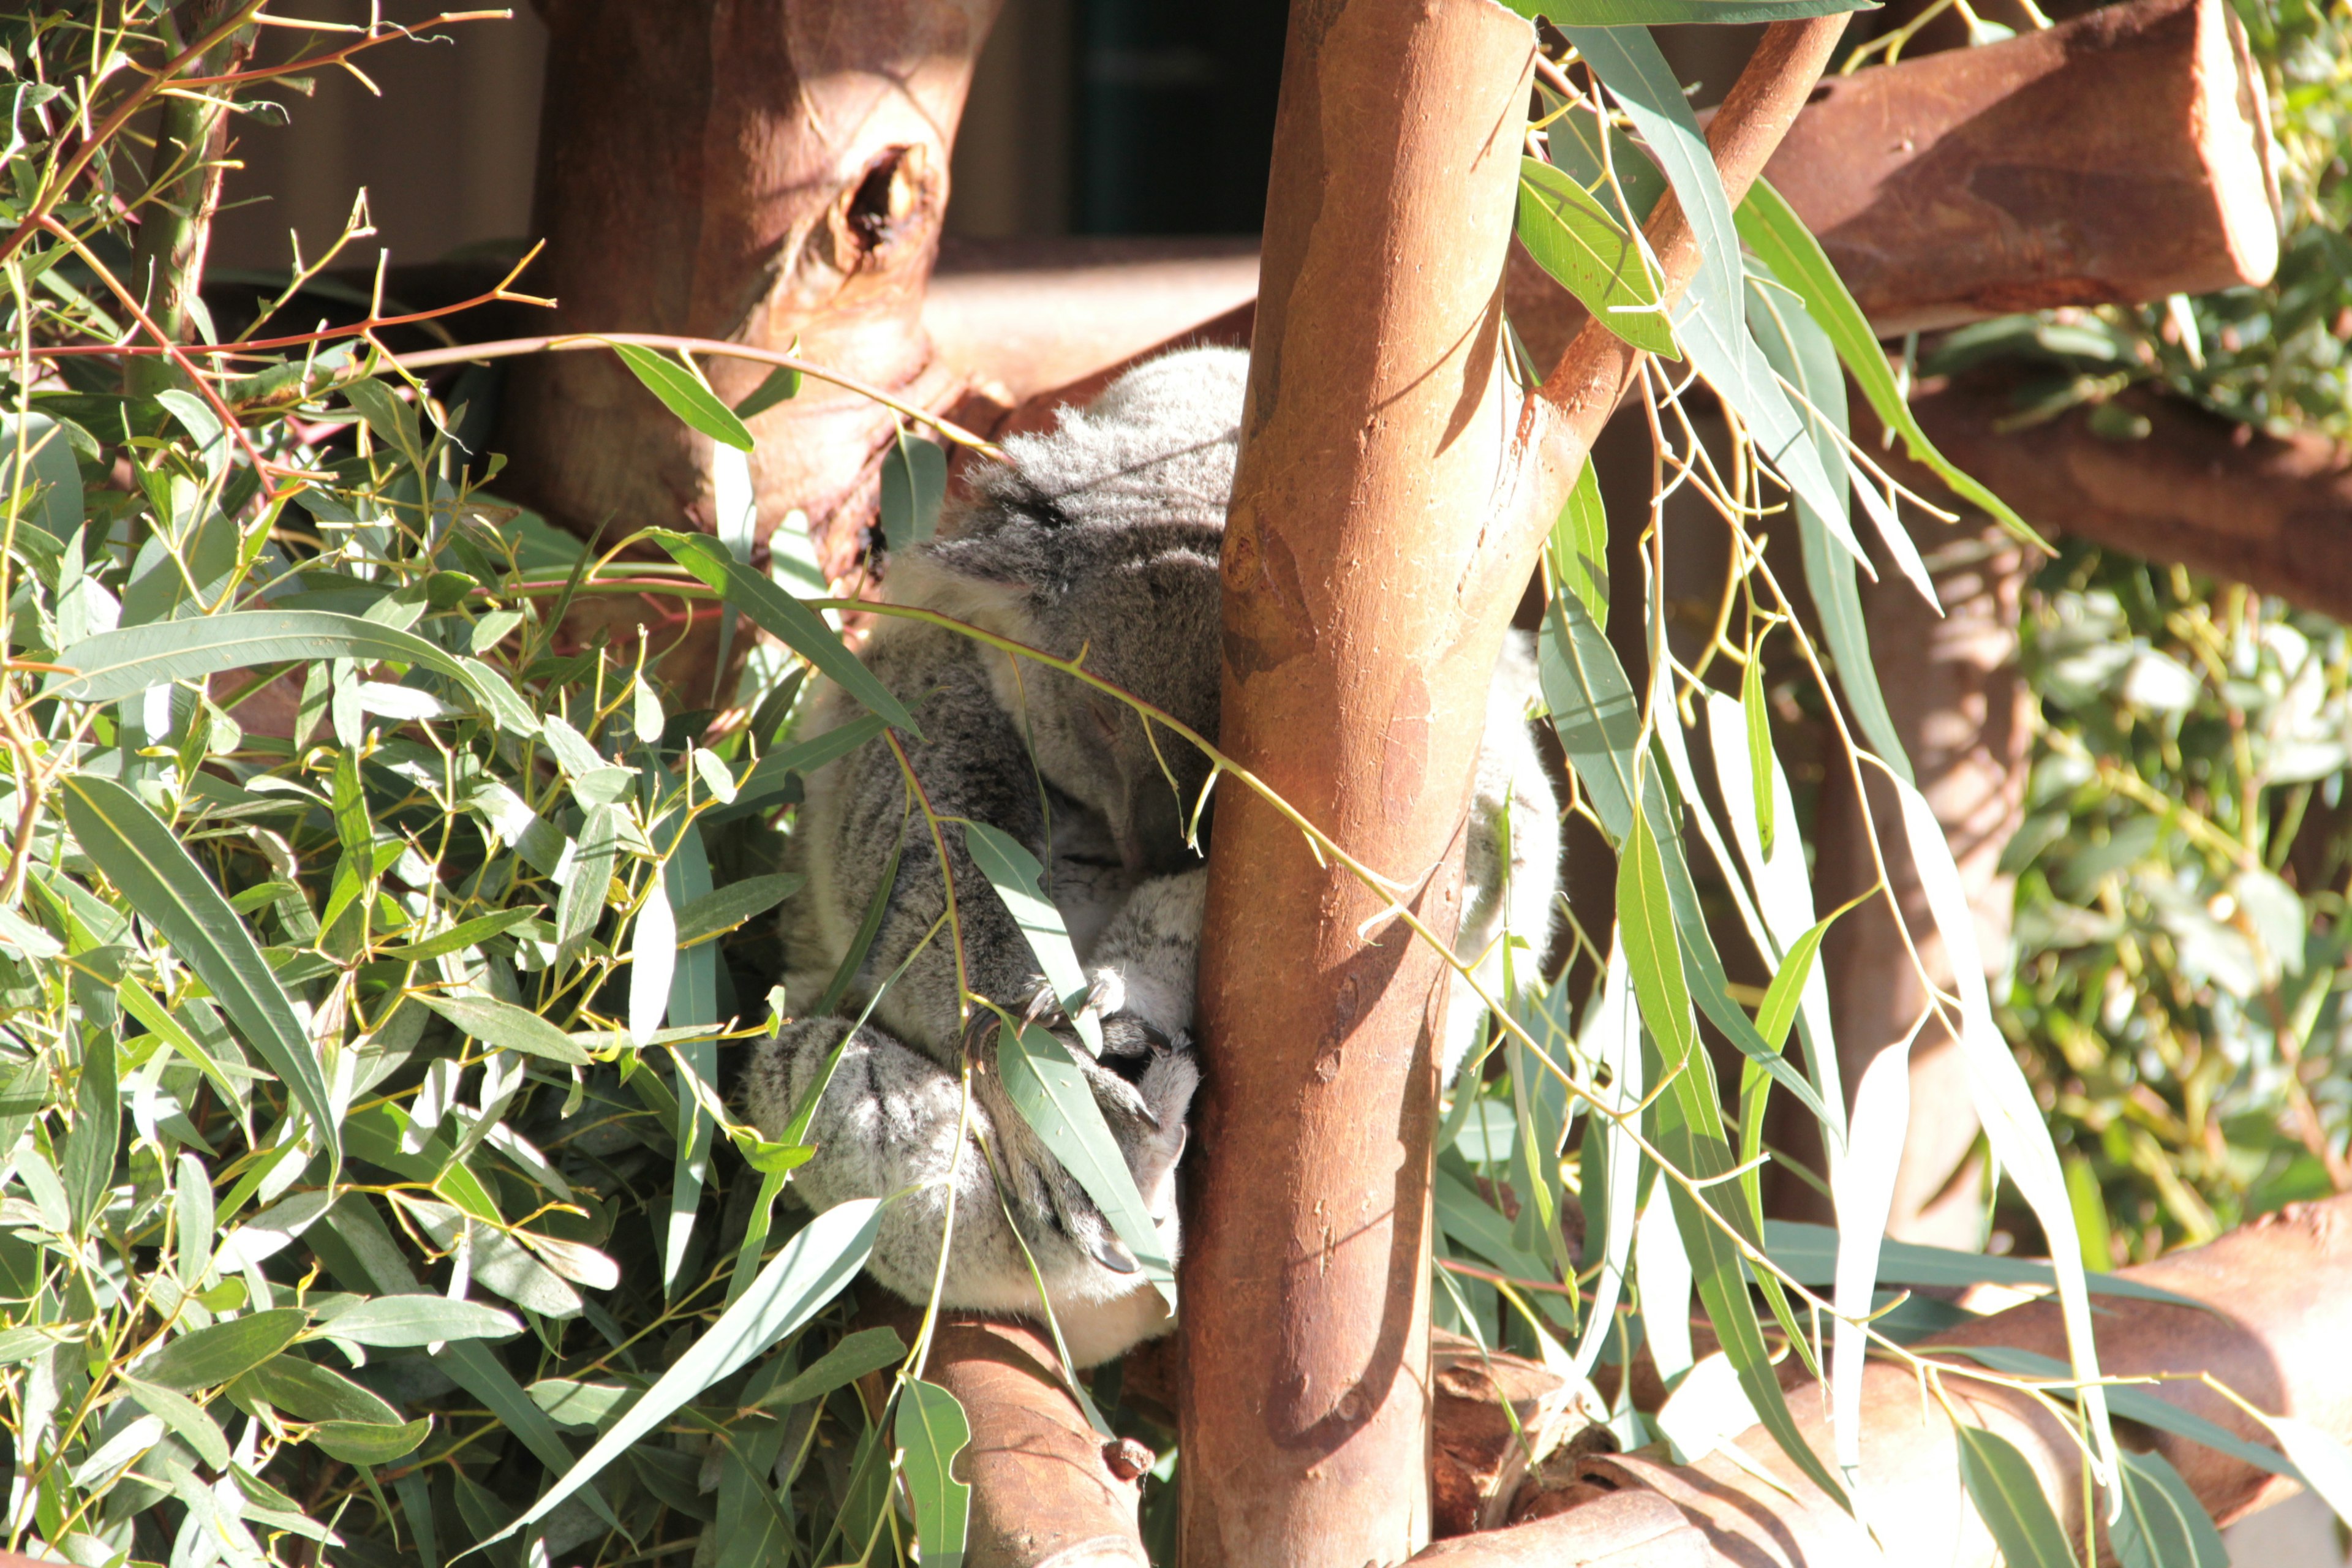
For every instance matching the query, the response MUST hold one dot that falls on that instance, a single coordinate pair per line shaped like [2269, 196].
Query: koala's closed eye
[1105, 715]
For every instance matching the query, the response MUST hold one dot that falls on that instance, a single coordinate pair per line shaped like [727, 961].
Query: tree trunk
[1374, 443]
[762, 170]
[1386, 513]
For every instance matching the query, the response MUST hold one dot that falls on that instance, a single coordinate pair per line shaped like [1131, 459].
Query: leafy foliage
[372, 942]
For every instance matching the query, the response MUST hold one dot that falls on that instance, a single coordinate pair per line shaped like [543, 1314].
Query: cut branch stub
[2125, 155]
[763, 173]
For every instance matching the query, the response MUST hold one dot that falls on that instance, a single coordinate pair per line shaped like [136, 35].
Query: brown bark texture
[2122, 155]
[2261, 1327]
[1384, 521]
[762, 171]
[1374, 439]
[2274, 512]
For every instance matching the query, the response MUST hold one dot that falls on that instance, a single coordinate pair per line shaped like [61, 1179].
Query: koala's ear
[960, 584]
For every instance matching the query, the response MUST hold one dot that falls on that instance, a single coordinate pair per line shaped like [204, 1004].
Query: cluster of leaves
[2180, 928]
[369, 944]
[2180, 935]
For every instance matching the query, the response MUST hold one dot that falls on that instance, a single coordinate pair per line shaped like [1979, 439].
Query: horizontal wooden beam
[2119, 157]
[2218, 497]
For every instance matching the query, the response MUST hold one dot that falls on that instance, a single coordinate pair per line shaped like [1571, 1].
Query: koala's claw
[1112, 1254]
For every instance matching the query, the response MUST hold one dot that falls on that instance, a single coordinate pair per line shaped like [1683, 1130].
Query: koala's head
[1100, 539]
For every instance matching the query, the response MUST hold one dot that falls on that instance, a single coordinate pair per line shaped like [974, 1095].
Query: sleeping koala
[1098, 541]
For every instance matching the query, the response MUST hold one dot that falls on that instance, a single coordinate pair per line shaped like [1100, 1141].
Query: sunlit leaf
[685, 394]
[1572, 236]
[931, 1431]
[808, 1273]
[2010, 1501]
[151, 867]
[800, 627]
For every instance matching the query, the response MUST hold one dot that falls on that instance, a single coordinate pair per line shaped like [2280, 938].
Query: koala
[1095, 542]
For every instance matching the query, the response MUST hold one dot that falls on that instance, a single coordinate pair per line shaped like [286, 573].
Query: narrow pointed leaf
[152, 869]
[1050, 1091]
[794, 1287]
[2162, 1524]
[1572, 236]
[800, 627]
[1774, 231]
[504, 1024]
[121, 663]
[1016, 875]
[686, 395]
[2009, 1500]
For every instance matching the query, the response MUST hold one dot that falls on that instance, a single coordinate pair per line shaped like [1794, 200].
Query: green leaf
[1051, 1093]
[1808, 1253]
[2162, 1524]
[1759, 743]
[931, 1431]
[794, 1287]
[588, 882]
[308, 1392]
[1670, 12]
[1572, 236]
[914, 484]
[1779, 1008]
[86, 1163]
[461, 936]
[801, 628]
[51, 477]
[782, 382]
[504, 1024]
[399, 1322]
[151, 870]
[1689, 1133]
[206, 1357]
[578, 1404]
[2009, 1500]
[1795, 346]
[364, 1443]
[189, 1421]
[121, 663]
[1018, 879]
[685, 394]
[1775, 233]
[771, 773]
[1711, 323]
[731, 906]
[867, 1350]
[1580, 547]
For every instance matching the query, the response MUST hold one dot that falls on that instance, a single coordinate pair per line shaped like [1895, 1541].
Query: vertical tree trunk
[763, 170]
[1376, 441]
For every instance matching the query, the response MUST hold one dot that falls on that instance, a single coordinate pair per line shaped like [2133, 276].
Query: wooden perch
[2268, 1328]
[2115, 159]
[2122, 156]
[2274, 512]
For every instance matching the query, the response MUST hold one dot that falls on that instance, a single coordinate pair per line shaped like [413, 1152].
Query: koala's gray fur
[1099, 540]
